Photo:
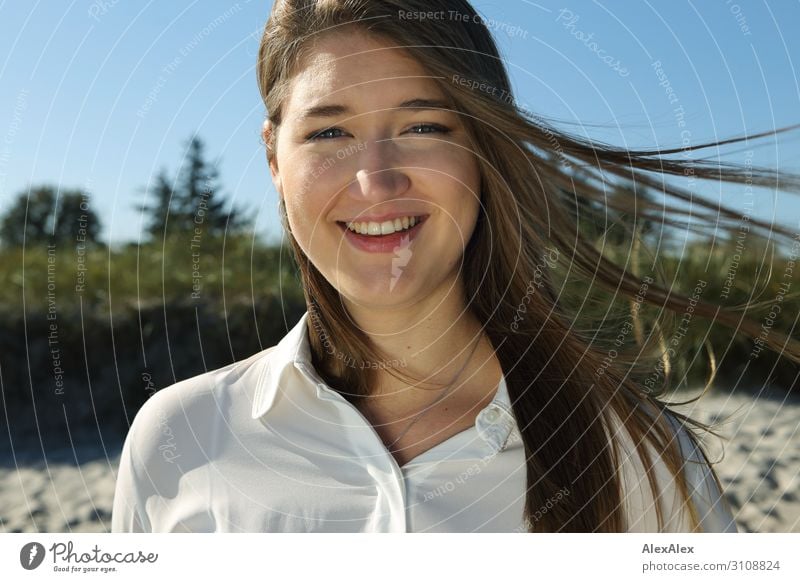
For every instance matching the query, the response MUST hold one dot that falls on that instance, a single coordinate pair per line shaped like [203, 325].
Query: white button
[492, 415]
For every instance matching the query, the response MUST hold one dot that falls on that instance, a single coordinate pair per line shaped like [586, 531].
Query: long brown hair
[536, 181]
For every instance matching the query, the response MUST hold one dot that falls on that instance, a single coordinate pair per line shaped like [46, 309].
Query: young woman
[437, 381]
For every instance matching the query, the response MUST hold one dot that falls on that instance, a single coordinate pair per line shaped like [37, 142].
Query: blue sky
[101, 94]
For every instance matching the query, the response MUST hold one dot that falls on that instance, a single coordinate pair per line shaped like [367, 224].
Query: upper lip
[384, 217]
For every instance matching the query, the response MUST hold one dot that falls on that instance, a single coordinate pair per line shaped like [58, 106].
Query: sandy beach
[73, 490]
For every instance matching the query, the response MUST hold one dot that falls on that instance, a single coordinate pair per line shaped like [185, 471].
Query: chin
[381, 292]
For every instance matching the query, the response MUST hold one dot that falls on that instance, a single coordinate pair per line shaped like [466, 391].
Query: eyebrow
[335, 109]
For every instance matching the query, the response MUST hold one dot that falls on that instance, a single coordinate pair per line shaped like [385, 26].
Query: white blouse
[264, 445]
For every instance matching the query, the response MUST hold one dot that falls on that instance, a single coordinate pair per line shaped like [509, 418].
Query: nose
[379, 175]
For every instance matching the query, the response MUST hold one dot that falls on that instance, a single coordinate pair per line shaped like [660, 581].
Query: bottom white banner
[388, 557]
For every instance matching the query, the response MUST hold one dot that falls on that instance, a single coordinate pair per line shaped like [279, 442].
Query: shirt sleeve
[128, 513]
[639, 500]
[712, 507]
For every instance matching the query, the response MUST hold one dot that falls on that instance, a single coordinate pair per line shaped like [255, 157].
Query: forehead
[366, 71]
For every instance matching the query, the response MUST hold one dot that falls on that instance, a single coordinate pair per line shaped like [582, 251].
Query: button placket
[393, 481]
[389, 476]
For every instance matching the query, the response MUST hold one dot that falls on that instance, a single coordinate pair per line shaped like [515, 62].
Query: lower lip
[387, 243]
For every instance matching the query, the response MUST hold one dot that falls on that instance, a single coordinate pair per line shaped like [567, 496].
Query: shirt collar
[495, 423]
[293, 350]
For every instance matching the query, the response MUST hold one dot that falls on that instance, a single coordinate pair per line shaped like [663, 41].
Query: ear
[268, 134]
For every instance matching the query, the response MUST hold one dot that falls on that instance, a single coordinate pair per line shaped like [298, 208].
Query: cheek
[311, 189]
[454, 185]
[449, 162]
[304, 179]
[303, 175]
[306, 219]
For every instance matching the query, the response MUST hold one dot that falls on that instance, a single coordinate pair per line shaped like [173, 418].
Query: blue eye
[436, 128]
[319, 135]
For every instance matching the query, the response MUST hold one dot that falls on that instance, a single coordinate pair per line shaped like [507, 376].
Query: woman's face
[375, 155]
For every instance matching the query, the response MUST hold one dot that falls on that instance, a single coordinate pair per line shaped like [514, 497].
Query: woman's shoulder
[194, 405]
[712, 507]
[176, 434]
[638, 498]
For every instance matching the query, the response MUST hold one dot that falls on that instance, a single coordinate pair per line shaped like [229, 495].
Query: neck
[431, 341]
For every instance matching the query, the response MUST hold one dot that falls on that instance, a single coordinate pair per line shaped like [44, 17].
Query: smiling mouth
[419, 220]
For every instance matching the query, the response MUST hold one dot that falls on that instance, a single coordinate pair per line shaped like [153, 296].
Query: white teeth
[382, 228]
